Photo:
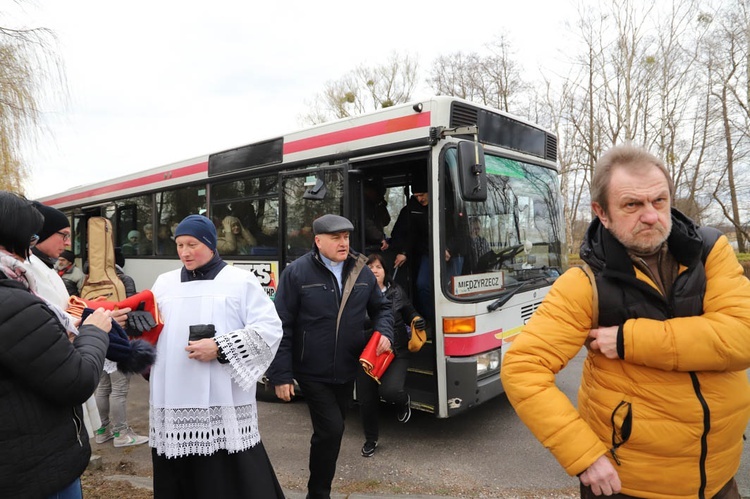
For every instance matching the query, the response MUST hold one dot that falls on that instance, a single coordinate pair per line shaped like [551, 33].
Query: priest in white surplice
[204, 423]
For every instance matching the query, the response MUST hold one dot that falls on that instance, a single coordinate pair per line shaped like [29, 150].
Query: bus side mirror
[471, 171]
[316, 192]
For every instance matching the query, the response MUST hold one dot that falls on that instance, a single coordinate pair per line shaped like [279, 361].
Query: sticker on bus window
[478, 283]
[266, 272]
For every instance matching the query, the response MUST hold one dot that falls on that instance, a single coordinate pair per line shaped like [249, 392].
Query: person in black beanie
[54, 235]
[220, 334]
[53, 238]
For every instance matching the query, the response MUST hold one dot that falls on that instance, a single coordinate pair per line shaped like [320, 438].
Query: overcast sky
[158, 81]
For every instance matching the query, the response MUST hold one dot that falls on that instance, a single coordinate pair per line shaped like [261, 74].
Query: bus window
[171, 207]
[299, 213]
[246, 214]
[514, 235]
[132, 216]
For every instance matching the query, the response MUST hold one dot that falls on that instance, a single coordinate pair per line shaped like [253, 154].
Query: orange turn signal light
[459, 325]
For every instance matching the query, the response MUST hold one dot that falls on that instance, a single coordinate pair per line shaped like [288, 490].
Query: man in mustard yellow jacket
[664, 397]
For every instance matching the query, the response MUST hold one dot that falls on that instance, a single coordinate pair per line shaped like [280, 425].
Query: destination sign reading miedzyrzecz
[478, 283]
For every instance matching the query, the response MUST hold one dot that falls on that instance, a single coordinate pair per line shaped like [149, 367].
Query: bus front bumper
[465, 389]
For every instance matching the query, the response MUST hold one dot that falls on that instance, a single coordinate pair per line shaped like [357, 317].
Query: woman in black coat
[47, 370]
[391, 387]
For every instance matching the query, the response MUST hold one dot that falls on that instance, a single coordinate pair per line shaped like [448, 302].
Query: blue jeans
[72, 491]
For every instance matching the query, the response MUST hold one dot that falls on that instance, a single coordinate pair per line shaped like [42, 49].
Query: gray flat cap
[330, 224]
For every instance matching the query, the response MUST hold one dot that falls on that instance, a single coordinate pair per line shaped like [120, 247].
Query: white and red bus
[495, 204]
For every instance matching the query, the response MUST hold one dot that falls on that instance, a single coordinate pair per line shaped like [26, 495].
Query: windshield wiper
[512, 292]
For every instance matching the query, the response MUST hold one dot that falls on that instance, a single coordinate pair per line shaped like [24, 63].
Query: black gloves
[140, 320]
[419, 323]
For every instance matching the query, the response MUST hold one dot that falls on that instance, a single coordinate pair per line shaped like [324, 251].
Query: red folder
[374, 364]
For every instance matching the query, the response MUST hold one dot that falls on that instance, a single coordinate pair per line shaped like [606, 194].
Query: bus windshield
[512, 237]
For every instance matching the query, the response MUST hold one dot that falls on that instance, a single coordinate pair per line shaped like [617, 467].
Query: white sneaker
[104, 434]
[128, 437]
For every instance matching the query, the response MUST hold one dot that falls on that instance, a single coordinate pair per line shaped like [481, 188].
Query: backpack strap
[709, 236]
[595, 298]
[351, 279]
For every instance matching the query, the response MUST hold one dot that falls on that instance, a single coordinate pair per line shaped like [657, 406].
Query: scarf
[13, 268]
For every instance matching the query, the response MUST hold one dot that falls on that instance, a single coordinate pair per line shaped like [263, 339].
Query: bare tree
[29, 71]
[456, 74]
[493, 79]
[366, 88]
[727, 64]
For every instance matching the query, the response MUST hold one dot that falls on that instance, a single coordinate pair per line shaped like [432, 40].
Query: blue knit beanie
[200, 228]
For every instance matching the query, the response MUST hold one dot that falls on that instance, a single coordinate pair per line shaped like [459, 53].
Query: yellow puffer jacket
[661, 457]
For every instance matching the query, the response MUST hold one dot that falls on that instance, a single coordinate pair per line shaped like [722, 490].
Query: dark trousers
[390, 389]
[728, 491]
[328, 404]
[425, 302]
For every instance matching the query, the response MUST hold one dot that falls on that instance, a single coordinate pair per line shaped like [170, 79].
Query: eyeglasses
[33, 241]
[65, 235]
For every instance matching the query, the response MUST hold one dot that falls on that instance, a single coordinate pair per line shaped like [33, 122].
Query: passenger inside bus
[146, 245]
[164, 243]
[234, 239]
[479, 244]
[131, 247]
[376, 216]
[410, 241]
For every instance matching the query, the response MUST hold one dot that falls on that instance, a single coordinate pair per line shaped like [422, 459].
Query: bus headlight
[488, 362]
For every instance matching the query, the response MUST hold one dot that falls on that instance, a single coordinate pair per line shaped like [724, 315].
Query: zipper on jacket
[704, 436]
[77, 423]
[337, 294]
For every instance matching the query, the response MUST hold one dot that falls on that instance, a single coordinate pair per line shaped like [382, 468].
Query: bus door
[378, 196]
[305, 196]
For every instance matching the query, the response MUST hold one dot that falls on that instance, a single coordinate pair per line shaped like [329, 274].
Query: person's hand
[120, 316]
[285, 392]
[604, 340]
[383, 245]
[384, 345]
[447, 255]
[204, 350]
[602, 477]
[400, 260]
[420, 323]
[100, 318]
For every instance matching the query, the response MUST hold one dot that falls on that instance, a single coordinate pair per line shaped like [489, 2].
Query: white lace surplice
[200, 407]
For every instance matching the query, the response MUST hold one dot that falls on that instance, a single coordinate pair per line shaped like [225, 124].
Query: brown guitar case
[102, 282]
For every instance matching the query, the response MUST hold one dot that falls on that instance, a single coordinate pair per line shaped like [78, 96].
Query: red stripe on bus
[360, 132]
[184, 171]
[459, 345]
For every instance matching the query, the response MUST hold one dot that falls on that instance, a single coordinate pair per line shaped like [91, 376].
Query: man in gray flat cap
[322, 299]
